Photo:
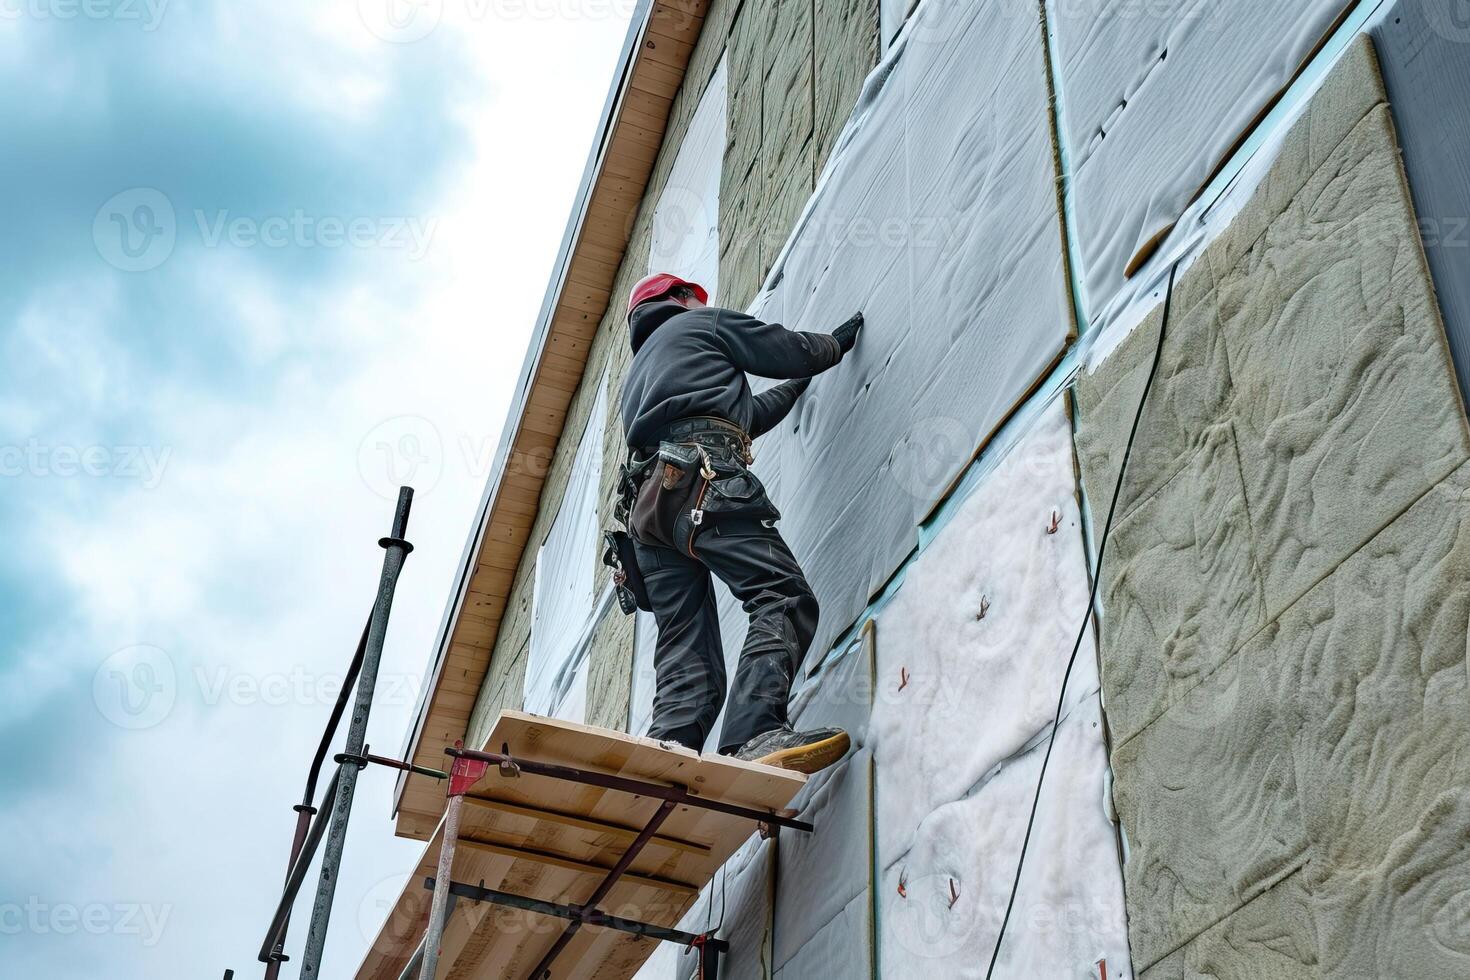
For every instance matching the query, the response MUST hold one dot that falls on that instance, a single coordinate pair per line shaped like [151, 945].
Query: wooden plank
[570, 820]
[657, 78]
[597, 871]
[627, 159]
[648, 102]
[552, 839]
[668, 51]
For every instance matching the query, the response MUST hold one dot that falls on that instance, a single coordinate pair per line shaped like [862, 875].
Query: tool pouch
[630, 478]
[669, 508]
[736, 491]
[620, 556]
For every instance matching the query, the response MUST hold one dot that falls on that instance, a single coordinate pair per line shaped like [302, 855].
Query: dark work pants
[689, 659]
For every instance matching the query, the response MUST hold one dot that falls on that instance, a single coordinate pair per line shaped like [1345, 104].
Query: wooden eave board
[558, 854]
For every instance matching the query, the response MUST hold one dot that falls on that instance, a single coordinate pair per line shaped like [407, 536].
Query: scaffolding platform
[572, 851]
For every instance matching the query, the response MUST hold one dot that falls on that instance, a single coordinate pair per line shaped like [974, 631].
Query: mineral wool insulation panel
[971, 654]
[1154, 96]
[938, 219]
[1284, 614]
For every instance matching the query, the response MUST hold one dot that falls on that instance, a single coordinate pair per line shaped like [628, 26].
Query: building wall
[1284, 611]
[788, 98]
[1285, 607]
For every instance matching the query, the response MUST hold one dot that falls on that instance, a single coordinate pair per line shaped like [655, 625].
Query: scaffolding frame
[470, 766]
[324, 829]
[314, 825]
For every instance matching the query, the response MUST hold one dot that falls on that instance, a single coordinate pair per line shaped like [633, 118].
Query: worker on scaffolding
[692, 506]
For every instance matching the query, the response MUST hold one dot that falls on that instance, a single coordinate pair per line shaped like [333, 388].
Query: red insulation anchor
[1056, 522]
[903, 678]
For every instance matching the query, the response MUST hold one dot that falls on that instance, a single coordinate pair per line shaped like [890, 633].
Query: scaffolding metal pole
[462, 776]
[411, 968]
[396, 549]
[307, 808]
[439, 908]
[294, 881]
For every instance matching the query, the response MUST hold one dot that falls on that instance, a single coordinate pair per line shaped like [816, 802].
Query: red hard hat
[658, 285]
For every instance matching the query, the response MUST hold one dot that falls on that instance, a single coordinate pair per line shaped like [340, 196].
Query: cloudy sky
[261, 263]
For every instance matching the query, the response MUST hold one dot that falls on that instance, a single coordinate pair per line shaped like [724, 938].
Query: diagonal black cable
[1086, 619]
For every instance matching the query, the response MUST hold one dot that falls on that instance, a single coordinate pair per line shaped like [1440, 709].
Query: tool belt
[699, 475]
[696, 478]
[724, 439]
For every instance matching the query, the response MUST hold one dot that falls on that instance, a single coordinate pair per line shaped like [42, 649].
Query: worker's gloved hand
[847, 333]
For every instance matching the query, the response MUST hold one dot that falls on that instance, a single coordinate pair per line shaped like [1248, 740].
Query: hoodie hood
[648, 317]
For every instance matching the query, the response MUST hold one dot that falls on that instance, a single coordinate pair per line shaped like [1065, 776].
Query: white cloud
[253, 560]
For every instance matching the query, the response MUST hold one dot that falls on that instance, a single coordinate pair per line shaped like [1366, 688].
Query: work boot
[806, 752]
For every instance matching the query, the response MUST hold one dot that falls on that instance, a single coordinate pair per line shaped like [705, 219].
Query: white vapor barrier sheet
[640, 708]
[971, 651]
[957, 877]
[891, 14]
[937, 217]
[564, 597]
[686, 219]
[1154, 97]
[972, 648]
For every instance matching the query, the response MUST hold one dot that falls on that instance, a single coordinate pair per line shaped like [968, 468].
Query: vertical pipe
[709, 962]
[306, 809]
[411, 968]
[438, 911]
[396, 550]
[303, 823]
